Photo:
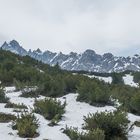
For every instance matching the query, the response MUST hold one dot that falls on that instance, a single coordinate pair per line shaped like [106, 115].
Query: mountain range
[89, 60]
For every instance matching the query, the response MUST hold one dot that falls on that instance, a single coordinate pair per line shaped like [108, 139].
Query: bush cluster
[17, 106]
[114, 124]
[52, 86]
[51, 109]
[30, 94]
[4, 118]
[136, 77]
[117, 78]
[135, 103]
[73, 134]
[26, 125]
[128, 97]
[94, 92]
[102, 126]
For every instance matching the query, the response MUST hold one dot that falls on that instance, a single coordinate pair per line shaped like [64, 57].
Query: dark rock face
[88, 60]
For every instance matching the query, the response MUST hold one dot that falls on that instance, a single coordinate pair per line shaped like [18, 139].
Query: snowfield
[105, 79]
[73, 117]
[128, 80]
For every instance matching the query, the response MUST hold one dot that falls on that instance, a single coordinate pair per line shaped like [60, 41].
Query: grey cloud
[72, 25]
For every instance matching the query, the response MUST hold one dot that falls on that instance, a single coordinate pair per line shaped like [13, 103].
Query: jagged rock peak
[107, 55]
[4, 44]
[14, 47]
[14, 43]
[89, 60]
[38, 51]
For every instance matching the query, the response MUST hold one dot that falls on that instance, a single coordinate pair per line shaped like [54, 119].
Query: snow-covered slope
[73, 117]
[128, 80]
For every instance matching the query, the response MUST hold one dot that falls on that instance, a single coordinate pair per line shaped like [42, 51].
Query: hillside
[58, 98]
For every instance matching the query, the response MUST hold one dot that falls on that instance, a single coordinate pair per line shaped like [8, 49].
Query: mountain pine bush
[73, 134]
[135, 104]
[51, 109]
[30, 94]
[114, 124]
[94, 92]
[5, 118]
[26, 125]
[13, 105]
[53, 86]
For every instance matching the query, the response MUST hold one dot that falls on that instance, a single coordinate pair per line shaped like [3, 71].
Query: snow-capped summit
[89, 60]
[14, 47]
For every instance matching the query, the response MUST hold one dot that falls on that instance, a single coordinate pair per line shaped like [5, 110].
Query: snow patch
[128, 80]
[105, 79]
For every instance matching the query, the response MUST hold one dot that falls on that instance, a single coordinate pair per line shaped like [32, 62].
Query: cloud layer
[72, 25]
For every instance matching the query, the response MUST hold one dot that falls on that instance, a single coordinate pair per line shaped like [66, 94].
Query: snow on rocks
[73, 117]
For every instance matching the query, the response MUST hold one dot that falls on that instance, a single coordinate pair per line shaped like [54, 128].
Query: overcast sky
[72, 25]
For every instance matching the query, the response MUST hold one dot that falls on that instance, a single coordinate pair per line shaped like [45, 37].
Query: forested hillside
[35, 79]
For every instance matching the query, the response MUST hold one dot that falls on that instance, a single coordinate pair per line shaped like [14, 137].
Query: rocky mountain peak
[38, 51]
[89, 52]
[107, 55]
[14, 47]
[87, 61]
[14, 43]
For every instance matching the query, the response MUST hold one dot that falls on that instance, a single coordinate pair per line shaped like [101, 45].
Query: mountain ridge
[89, 60]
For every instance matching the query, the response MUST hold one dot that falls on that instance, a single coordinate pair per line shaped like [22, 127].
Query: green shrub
[94, 92]
[73, 134]
[114, 124]
[117, 78]
[30, 94]
[71, 83]
[102, 126]
[94, 135]
[53, 86]
[13, 105]
[4, 118]
[126, 96]
[136, 77]
[3, 98]
[26, 125]
[51, 109]
[135, 104]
